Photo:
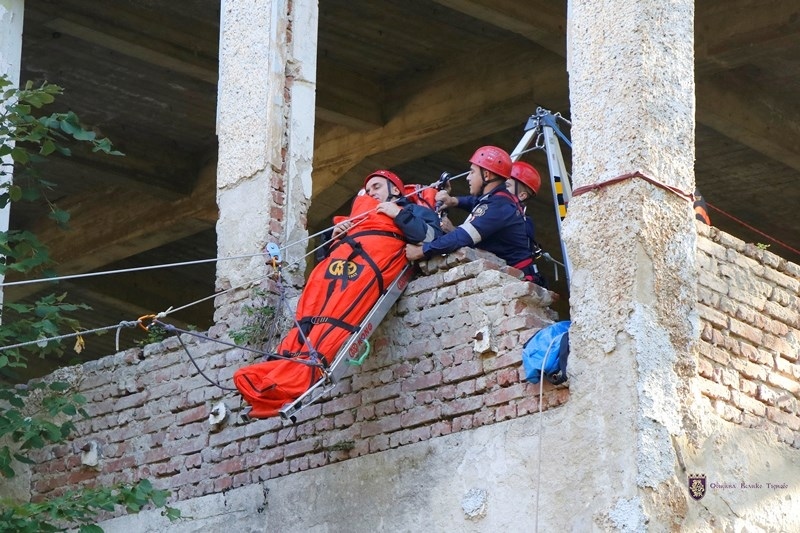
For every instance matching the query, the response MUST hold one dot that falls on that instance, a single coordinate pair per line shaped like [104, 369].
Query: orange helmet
[391, 176]
[493, 159]
[526, 174]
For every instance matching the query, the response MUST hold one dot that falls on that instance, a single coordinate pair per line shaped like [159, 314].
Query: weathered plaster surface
[631, 243]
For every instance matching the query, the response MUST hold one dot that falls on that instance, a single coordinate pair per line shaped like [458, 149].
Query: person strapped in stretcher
[366, 255]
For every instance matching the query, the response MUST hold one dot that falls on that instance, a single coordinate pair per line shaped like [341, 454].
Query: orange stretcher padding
[343, 287]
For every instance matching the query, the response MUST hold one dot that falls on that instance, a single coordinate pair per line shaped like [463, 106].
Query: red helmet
[391, 176]
[526, 174]
[493, 159]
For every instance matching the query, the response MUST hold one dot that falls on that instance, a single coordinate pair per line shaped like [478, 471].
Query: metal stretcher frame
[352, 346]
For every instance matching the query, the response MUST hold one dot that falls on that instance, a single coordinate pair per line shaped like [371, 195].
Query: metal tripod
[542, 129]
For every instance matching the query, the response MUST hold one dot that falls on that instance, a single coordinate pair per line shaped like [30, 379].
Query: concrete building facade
[684, 344]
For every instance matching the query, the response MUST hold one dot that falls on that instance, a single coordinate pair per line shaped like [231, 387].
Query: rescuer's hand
[414, 252]
[341, 228]
[446, 199]
[389, 209]
[447, 225]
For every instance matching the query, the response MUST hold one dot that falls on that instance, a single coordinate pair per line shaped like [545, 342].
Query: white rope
[68, 335]
[126, 270]
[541, 431]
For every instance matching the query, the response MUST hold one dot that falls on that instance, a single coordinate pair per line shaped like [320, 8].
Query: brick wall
[749, 305]
[427, 376]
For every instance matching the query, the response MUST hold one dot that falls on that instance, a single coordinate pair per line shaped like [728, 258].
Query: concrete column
[265, 125]
[11, 16]
[632, 245]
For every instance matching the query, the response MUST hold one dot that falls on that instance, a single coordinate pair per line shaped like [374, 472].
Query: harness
[307, 323]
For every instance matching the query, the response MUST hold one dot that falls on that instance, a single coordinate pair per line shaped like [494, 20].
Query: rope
[751, 228]
[541, 431]
[185, 349]
[125, 270]
[682, 194]
[637, 174]
[196, 262]
[69, 335]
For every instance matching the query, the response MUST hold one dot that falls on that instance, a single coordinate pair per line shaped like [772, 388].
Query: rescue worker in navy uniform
[417, 223]
[496, 222]
[525, 183]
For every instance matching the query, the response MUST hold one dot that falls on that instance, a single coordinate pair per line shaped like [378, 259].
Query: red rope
[751, 228]
[682, 194]
[636, 174]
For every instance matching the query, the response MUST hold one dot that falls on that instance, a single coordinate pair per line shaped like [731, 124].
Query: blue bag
[549, 347]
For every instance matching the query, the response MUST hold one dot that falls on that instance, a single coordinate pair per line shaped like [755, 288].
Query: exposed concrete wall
[430, 434]
[632, 249]
[427, 377]
[265, 129]
[11, 17]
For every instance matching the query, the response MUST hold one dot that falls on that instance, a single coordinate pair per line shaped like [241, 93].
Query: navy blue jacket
[495, 224]
[418, 223]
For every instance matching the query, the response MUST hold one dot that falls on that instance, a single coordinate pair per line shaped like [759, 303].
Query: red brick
[483, 418]
[381, 425]
[425, 381]
[421, 415]
[462, 405]
[378, 443]
[228, 466]
[506, 412]
[788, 420]
[385, 408]
[384, 392]
[466, 370]
[506, 394]
[301, 447]
[343, 403]
[223, 483]
[508, 376]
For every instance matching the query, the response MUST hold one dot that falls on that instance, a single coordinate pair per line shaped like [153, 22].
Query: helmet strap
[389, 186]
[487, 182]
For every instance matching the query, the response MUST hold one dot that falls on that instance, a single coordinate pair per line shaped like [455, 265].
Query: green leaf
[159, 498]
[59, 386]
[19, 155]
[84, 135]
[59, 215]
[48, 147]
[3, 360]
[91, 528]
[23, 459]
[15, 193]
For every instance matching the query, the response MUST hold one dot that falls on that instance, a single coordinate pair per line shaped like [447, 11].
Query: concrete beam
[109, 225]
[740, 110]
[728, 34]
[466, 99]
[541, 21]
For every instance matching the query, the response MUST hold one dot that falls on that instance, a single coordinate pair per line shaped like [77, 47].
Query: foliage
[80, 507]
[32, 431]
[259, 322]
[37, 415]
[155, 333]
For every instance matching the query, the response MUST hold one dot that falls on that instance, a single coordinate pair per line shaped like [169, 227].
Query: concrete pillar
[11, 15]
[632, 245]
[265, 125]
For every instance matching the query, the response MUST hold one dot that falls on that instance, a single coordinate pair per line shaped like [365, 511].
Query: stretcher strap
[308, 321]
